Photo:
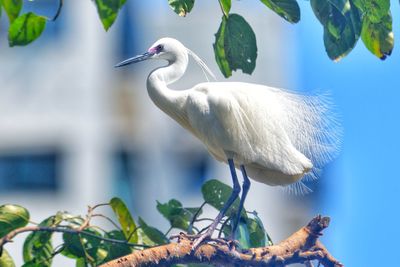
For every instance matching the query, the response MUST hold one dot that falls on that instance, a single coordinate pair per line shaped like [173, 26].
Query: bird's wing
[262, 115]
[242, 124]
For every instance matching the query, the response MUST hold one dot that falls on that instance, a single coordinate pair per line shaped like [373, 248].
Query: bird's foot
[182, 235]
[196, 239]
[230, 243]
[206, 238]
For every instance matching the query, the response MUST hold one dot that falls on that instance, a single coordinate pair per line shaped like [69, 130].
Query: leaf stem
[222, 9]
[195, 217]
[8, 238]
[108, 219]
[169, 230]
[60, 4]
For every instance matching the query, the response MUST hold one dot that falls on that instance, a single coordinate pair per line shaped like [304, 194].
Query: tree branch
[9, 237]
[300, 247]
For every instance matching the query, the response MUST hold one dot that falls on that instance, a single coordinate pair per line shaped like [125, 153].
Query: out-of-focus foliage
[108, 11]
[12, 217]
[376, 32]
[287, 9]
[216, 193]
[6, 260]
[25, 29]
[235, 47]
[38, 246]
[91, 245]
[344, 21]
[12, 8]
[225, 6]
[178, 216]
[181, 7]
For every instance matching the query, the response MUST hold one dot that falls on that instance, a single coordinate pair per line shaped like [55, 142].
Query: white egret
[272, 135]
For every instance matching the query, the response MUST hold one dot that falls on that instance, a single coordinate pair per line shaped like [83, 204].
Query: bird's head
[171, 50]
[166, 48]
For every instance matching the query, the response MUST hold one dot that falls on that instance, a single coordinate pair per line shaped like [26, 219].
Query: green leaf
[217, 193]
[378, 37]
[235, 46]
[178, 216]
[26, 29]
[375, 10]
[82, 246]
[12, 8]
[81, 262]
[12, 217]
[181, 7]
[287, 9]
[258, 236]
[250, 232]
[225, 6]
[150, 235]
[62, 216]
[73, 246]
[256, 230]
[108, 11]
[38, 249]
[243, 235]
[219, 50]
[342, 26]
[116, 250]
[125, 219]
[6, 260]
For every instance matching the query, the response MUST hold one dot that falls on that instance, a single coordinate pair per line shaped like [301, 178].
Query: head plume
[206, 70]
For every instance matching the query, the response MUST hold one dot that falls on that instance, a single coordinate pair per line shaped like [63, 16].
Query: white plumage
[276, 135]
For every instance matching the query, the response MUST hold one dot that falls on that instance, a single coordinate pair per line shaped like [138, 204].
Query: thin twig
[169, 230]
[133, 232]
[195, 217]
[223, 226]
[89, 216]
[8, 238]
[56, 251]
[60, 4]
[108, 219]
[204, 219]
[100, 205]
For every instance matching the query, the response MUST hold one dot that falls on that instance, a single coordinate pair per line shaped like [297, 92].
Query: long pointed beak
[135, 59]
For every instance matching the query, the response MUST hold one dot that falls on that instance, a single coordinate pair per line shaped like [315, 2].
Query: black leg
[245, 187]
[232, 198]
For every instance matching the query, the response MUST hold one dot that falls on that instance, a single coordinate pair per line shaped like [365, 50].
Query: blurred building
[75, 132]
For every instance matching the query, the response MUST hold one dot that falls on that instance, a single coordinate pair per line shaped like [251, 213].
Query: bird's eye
[159, 48]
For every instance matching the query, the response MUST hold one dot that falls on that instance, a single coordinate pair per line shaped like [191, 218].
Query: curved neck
[169, 101]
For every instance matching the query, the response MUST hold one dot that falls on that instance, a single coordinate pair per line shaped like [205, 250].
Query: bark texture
[301, 247]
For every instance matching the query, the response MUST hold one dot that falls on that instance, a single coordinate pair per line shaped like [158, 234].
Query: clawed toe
[197, 239]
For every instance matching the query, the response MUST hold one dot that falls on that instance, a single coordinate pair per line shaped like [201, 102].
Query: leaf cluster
[235, 47]
[91, 245]
[343, 21]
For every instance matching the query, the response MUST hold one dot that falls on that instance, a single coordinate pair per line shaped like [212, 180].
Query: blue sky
[362, 187]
